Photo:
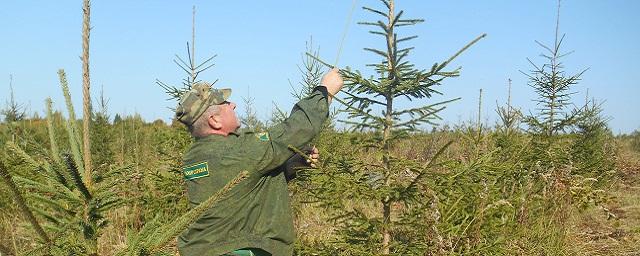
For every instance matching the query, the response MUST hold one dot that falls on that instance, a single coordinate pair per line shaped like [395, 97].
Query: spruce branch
[404, 39]
[71, 126]
[375, 11]
[52, 203]
[424, 110]
[395, 20]
[358, 111]
[338, 99]
[319, 60]
[51, 189]
[77, 178]
[311, 72]
[55, 152]
[164, 234]
[32, 164]
[425, 117]
[376, 51]
[182, 64]
[47, 215]
[134, 240]
[362, 125]
[17, 196]
[408, 22]
[444, 64]
[424, 169]
[377, 33]
[363, 102]
[21, 155]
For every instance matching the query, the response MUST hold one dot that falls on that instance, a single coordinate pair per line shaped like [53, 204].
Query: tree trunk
[86, 110]
[386, 203]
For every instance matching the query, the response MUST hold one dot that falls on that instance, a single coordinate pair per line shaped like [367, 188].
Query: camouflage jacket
[255, 213]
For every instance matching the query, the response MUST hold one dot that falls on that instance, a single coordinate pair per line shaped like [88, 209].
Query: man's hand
[333, 81]
[314, 154]
[299, 162]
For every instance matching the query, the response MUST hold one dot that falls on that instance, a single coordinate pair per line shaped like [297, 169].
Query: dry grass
[610, 229]
[312, 225]
[614, 228]
[598, 232]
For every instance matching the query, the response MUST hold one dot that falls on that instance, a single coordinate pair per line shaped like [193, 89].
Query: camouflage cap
[196, 101]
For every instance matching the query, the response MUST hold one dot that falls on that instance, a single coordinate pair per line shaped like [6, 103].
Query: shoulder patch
[196, 171]
[263, 136]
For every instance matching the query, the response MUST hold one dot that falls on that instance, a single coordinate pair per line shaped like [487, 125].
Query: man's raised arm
[303, 124]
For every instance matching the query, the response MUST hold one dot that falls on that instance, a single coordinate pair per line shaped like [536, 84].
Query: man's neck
[210, 132]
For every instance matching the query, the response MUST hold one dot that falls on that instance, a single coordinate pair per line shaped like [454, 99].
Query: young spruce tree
[554, 88]
[71, 214]
[393, 183]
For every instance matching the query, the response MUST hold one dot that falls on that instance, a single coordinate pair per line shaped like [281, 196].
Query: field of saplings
[452, 190]
[553, 180]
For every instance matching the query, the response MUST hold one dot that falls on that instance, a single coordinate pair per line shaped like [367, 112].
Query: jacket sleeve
[302, 125]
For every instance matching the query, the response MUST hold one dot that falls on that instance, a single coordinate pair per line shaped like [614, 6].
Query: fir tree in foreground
[392, 182]
[68, 215]
[70, 212]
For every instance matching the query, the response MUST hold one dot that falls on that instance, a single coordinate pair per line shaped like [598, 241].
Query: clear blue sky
[259, 44]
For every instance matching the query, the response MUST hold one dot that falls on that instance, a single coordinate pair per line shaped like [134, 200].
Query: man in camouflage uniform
[254, 218]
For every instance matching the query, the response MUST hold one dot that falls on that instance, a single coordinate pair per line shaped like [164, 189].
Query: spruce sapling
[396, 77]
[554, 89]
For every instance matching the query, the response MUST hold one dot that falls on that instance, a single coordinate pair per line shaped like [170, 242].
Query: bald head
[218, 119]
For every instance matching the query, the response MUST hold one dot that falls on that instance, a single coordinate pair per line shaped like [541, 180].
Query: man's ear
[214, 122]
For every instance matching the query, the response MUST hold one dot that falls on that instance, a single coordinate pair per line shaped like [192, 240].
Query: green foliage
[153, 236]
[310, 72]
[75, 215]
[13, 110]
[73, 212]
[578, 164]
[277, 115]
[192, 69]
[593, 154]
[161, 181]
[492, 192]
[310, 78]
[102, 137]
[249, 119]
[509, 117]
[385, 179]
[20, 201]
[490, 198]
[554, 89]
[635, 142]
